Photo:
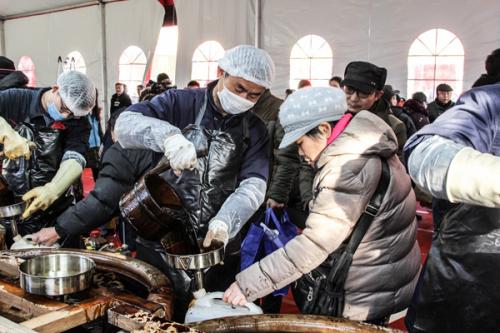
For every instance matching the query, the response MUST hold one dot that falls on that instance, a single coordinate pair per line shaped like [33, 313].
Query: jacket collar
[382, 109]
[366, 134]
[444, 106]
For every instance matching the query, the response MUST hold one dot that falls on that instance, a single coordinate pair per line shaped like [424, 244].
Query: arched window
[205, 59]
[436, 56]
[74, 62]
[132, 66]
[311, 59]
[27, 66]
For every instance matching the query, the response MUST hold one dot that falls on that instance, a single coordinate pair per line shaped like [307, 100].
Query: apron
[458, 289]
[23, 175]
[203, 191]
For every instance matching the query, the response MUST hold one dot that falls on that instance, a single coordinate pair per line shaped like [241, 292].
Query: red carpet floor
[424, 236]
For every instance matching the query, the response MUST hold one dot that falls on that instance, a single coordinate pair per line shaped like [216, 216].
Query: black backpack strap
[330, 300]
[371, 209]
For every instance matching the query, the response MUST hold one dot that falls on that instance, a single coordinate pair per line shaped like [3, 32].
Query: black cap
[161, 77]
[444, 87]
[420, 97]
[6, 63]
[389, 92]
[364, 76]
[492, 64]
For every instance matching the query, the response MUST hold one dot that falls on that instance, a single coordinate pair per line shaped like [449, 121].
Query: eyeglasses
[349, 91]
[64, 108]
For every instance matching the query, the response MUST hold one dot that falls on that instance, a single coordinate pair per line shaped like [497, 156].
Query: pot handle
[254, 309]
[162, 166]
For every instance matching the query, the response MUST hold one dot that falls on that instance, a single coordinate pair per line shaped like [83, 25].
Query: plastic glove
[43, 196]
[21, 243]
[234, 296]
[180, 152]
[217, 230]
[46, 236]
[473, 178]
[14, 145]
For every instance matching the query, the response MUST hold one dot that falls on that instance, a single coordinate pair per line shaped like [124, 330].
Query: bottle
[95, 241]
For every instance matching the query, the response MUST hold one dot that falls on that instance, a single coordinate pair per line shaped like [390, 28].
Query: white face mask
[232, 103]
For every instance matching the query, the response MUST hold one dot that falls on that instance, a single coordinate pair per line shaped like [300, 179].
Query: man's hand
[46, 236]
[41, 198]
[217, 230]
[271, 203]
[180, 153]
[234, 296]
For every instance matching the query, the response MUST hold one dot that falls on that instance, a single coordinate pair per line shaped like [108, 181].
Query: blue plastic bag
[261, 241]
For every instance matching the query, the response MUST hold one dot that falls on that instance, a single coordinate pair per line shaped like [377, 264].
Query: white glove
[180, 152]
[473, 178]
[217, 230]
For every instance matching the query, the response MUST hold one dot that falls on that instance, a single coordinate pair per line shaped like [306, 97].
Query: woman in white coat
[346, 152]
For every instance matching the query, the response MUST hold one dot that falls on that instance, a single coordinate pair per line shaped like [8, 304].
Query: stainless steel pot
[12, 210]
[56, 274]
[12, 214]
[179, 255]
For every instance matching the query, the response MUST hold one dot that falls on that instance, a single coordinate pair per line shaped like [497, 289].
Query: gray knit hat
[307, 108]
[248, 62]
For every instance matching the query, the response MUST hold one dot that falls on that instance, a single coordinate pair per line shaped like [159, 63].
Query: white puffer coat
[386, 264]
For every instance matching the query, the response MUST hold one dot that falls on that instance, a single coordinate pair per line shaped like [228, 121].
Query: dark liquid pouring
[167, 199]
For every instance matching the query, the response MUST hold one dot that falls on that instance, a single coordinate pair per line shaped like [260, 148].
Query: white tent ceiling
[100, 31]
[13, 8]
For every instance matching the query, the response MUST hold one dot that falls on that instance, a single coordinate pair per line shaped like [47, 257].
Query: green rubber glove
[43, 196]
[14, 145]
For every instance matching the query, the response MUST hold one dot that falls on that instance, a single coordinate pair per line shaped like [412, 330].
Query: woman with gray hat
[349, 153]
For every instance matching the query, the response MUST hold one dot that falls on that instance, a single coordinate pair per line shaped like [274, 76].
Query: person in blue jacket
[50, 124]
[235, 171]
[223, 105]
[457, 159]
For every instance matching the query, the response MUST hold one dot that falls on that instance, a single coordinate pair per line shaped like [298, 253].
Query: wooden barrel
[151, 207]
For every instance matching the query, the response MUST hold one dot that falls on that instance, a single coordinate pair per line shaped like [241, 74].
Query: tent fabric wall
[135, 22]
[376, 31]
[230, 22]
[45, 37]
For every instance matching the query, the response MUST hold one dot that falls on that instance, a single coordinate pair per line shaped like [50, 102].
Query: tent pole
[2, 37]
[104, 67]
[257, 23]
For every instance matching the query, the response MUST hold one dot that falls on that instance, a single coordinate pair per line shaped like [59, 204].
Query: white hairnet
[77, 92]
[248, 62]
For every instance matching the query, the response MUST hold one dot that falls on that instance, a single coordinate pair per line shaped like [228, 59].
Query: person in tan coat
[346, 152]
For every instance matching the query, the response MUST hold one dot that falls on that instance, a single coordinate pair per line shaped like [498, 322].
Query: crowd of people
[348, 162]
